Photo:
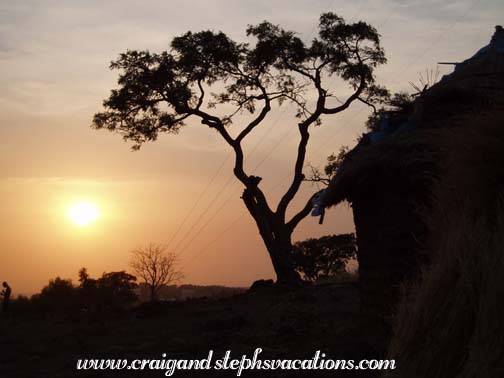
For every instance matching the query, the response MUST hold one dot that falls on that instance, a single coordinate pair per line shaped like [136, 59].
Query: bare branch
[298, 170]
[362, 84]
[316, 176]
[302, 214]
[301, 153]
[155, 267]
[368, 104]
[298, 70]
[265, 110]
[349, 100]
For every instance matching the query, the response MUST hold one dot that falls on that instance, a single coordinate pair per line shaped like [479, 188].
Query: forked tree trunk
[276, 236]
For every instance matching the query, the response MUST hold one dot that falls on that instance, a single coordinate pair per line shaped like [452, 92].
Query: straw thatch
[450, 322]
[389, 183]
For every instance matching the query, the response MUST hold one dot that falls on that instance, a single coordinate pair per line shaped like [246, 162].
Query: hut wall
[389, 237]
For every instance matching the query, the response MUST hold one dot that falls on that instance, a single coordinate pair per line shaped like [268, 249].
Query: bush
[113, 291]
[324, 257]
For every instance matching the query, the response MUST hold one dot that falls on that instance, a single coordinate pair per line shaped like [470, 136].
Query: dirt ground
[285, 324]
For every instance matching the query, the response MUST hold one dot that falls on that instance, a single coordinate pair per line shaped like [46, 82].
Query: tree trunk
[280, 252]
[153, 296]
[276, 236]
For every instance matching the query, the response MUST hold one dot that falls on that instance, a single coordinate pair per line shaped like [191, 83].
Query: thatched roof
[410, 153]
[483, 73]
[476, 87]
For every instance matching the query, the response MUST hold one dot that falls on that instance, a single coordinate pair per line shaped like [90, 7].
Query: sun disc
[83, 213]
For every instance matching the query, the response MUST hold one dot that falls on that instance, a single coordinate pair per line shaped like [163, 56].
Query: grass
[450, 322]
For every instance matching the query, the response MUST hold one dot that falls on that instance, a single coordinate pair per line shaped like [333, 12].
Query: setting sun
[83, 213]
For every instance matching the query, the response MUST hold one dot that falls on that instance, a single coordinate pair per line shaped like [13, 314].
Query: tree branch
[349, 100]
[355, 95]
[298, 171]
[368, 104]
[265, 110]
[298, 70]
[302, 214]
[301, 154]
[202, 94]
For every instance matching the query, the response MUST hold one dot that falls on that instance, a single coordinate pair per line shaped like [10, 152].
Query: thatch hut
[449, 323]
[386, 185]
[390, 176]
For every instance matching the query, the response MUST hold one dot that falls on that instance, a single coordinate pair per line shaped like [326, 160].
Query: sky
[54, 75]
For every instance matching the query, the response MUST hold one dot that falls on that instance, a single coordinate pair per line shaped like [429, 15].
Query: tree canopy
[155, 267]
[208, 77]
[159, 91]
[325, 256]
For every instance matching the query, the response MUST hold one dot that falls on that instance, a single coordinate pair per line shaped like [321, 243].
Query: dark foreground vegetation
[285, 324]
[113, 317]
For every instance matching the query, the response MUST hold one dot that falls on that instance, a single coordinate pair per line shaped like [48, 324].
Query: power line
[258, 165]
[359, 10]
[439, 38]
[353, 118]
[219, 193]
[284, 136]
[205, 190]
[234, 222]
[323, 144]
[222, 233]
[198, 220]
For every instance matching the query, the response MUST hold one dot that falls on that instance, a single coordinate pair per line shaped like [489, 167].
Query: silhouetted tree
[155, 267]
[113, 290]
[161, 92]
[83, 276]
[89, 296]
[333, 164]
[59, 296]
[325, 256]
[116, 289]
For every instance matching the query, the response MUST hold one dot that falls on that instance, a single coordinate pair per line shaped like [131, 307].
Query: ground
[284, 323]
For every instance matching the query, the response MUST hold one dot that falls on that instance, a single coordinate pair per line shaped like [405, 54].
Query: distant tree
[85, 281]
[83, 276]
[59, 296]
[88, 291]
[161, 92]
[112, 291]
[325, 256]
[116, 288]
[58, 287]
[155, 267]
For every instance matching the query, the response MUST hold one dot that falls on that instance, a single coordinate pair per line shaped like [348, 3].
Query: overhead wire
[326, 141]
[220, 192]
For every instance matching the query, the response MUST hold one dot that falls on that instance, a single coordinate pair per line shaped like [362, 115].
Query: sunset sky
[54, 75]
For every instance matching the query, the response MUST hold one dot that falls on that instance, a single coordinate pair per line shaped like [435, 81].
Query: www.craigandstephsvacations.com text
[319, 361]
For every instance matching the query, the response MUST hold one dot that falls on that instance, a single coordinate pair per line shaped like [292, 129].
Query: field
[284, 324]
